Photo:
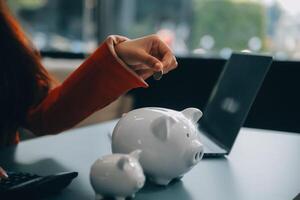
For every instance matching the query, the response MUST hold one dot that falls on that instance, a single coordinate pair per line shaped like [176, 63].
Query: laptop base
[211, 149]
[214, 155]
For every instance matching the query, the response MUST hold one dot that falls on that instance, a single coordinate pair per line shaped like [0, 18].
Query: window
[58, 25]
[199, 27]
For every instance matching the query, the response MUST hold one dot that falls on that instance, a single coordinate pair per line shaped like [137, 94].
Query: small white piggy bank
[117, 175]
[168, 139]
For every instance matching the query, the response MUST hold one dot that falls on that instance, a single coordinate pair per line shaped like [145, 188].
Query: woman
[30, 98]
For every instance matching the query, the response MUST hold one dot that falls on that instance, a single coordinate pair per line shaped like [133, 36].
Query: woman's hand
[146, 55]
[3, 174]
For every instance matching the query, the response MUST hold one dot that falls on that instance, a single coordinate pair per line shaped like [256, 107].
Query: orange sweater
[101, 79]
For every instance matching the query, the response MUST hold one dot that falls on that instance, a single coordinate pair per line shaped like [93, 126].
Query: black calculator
[21, 185]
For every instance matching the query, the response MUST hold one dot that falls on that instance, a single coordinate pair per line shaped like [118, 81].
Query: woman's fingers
[3, 174]
[145, 73]
[148, 68]
[165, 64]
[139, 67]
[167, 58]
[149, 60]
[173, 64]
[146, 55]
[169, 62]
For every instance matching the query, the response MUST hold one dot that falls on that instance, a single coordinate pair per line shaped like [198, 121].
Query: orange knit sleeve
[100, 80]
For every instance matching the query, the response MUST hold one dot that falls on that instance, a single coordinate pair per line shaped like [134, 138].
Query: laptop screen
[232, 97]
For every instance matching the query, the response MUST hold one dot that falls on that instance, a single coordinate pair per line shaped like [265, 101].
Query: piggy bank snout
[140, 183]
[196, 153]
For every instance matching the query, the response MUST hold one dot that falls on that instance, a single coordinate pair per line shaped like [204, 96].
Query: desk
[262, 165]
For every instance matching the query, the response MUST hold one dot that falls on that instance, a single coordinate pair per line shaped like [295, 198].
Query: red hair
[24, 81]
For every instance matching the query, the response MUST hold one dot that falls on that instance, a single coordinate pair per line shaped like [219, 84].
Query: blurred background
[200, 27]
[202, 34]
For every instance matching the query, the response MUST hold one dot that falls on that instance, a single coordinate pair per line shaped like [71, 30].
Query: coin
[158, 75]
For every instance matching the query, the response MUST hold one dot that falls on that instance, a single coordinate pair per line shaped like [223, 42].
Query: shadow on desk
[175, 190]
[41, 166]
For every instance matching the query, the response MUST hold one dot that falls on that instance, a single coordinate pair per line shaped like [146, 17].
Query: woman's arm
[97, 82]
[101, 79]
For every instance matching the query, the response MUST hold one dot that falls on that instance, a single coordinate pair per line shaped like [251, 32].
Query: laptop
[230, 101]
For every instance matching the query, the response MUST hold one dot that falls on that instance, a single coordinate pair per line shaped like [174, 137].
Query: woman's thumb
[150, 61]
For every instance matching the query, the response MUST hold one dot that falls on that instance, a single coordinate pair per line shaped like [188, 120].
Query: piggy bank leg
[160, 181]
[119, 198]
[98, 197]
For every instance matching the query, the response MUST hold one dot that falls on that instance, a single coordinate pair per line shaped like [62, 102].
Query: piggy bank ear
[161, 127]
[193, 114]
[136, 154]
[122, 162]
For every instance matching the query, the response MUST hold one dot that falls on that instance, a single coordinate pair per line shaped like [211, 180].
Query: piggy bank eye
[187, 135]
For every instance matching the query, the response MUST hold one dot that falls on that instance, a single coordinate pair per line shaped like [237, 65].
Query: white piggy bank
[168, 139]
[117, 175]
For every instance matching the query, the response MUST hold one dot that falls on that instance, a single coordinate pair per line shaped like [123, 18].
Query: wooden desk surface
[262, 165]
